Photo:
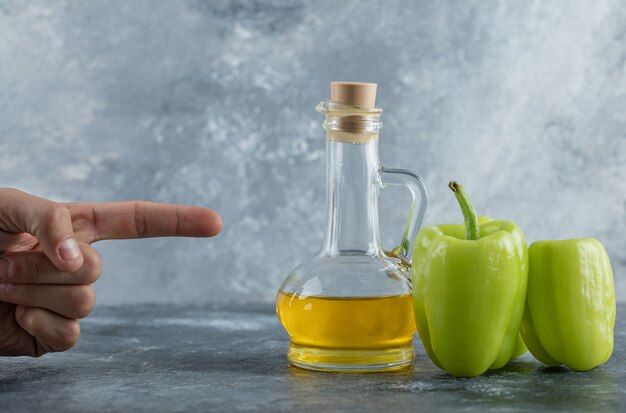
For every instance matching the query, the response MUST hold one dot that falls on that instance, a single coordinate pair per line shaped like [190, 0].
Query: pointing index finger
[141, 219]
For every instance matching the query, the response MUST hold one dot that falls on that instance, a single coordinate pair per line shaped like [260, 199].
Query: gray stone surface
[177, 359]
[211, 103]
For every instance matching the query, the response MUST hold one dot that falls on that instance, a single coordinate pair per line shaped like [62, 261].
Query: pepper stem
[472, 229]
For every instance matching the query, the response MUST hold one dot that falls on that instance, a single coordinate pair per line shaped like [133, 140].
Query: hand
[47, 265]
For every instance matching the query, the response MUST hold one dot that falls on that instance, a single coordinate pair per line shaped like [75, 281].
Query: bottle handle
[415, 184]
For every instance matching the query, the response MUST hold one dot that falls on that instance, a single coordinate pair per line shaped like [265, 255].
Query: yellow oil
[348, 333]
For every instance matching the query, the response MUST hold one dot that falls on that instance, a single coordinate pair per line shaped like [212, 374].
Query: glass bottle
[350, 307]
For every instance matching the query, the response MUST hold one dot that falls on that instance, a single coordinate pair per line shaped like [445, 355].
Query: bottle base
[350, 361]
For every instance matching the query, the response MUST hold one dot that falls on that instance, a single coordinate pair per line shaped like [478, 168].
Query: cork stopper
[353, 93]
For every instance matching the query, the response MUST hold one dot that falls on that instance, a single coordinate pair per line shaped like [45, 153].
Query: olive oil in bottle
[362, 326]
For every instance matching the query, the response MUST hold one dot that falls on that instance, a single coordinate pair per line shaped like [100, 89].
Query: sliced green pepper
[570, 307]
[469, 288]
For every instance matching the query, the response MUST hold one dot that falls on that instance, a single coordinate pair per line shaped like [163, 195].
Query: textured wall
[212, 103]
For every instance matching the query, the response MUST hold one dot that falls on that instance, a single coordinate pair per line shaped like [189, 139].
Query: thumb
[49, 222]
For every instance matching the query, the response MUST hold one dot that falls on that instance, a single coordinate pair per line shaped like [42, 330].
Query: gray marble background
[211, 103]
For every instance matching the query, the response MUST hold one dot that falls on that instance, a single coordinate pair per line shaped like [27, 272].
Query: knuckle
[24, 267]
[24, 294]
[55, 212]
[141, 225]
[84, 300]
[14, 267]
[54, 215]
[25, 318]
[68, 335]
[92, 266]
[9, 290]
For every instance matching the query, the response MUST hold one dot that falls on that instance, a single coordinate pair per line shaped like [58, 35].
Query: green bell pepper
[570, 305]
[469, 289]
[520, 346]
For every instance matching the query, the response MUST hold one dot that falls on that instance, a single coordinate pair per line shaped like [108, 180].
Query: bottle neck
[352, 182]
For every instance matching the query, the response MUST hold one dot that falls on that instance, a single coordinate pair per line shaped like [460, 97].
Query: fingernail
[18, 311]
[3, 289]
[69, 250]
[4, 269]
